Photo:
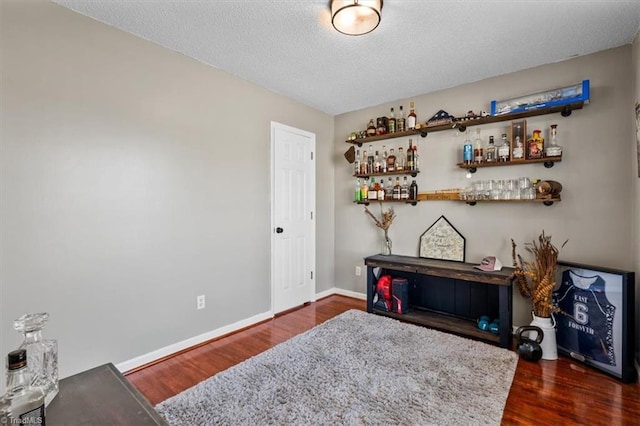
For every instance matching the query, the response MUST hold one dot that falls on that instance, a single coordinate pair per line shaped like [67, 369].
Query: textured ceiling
[421, 46]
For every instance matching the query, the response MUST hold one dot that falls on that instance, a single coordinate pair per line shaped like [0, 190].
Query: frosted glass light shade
[355, 17]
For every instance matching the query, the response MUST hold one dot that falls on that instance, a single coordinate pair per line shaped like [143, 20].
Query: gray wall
[133, 180]
[596, 209]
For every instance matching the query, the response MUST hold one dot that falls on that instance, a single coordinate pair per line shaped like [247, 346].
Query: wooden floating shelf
[413, 173]
[545, 201]
[368, 139]
[548, 163]
[367, 202]
[461, 125]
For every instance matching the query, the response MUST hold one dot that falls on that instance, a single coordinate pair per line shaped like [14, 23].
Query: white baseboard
[193, 341]
[349, 293]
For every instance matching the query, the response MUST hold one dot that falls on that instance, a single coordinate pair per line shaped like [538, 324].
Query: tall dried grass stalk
[536, 279]
[385, 222]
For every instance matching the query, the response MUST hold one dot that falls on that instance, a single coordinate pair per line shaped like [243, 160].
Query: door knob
[279, 230]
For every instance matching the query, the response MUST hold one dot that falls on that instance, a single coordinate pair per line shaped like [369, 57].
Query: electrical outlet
[200, 302]
[358, 271]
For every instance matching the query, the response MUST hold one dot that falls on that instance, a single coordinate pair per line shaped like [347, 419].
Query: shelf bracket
[549, 164]
[547, 203]
[412, 202]
[472, 169]
[359, 144]
[423, 133]
[471, 203]
[566, 111]
[461, 128]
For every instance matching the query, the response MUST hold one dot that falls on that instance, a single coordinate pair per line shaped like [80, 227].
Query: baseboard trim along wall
[167, 351]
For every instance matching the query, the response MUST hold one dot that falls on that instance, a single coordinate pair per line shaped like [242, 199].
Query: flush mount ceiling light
[355, 17]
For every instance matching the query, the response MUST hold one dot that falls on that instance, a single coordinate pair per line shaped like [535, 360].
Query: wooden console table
[448, 296]
[100, 396]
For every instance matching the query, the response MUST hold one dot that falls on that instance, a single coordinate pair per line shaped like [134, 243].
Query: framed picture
[442, 241]
[596, 325]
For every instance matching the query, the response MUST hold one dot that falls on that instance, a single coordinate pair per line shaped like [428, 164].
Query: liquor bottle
[373, 191]
[391, 122]
[364, 190]
[383, 162]
[376, 163]
[370, 160]
[356, 163]
[371, 128]
[412, 118]
[400, 160]
[467, 150]
[478, 150]
[410, 161]
[21, 404]
[404, 190]
[416, 157]
[490, 151]
[357, 194]
[388, 192]
[363, 163]
[400, 123]
[391, 161]
[397, 189]
[413, 190]
[553, 149]
[504, 150]
[381, 190]
[518, 149]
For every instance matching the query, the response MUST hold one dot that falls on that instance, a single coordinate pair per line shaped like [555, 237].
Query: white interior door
[292, 217]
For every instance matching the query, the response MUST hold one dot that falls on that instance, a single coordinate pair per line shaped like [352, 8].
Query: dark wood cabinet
[100, 396]
[448, 296]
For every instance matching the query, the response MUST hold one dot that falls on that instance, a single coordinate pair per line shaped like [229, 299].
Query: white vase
[548, 344]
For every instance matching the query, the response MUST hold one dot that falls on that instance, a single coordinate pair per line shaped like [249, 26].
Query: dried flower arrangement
[384, 224]
[536, 280]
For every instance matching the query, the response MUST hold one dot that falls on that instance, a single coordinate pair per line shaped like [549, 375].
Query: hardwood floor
[561, 392]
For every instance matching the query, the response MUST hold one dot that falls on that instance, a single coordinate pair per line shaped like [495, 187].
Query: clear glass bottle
[376, 163]
[371, 128]
[381, 190]
[22, 403]
[412, 119]
[373, 190]
[364, 190]
[364, 163]
[490, 151]
[404, 190]
[415, 156]
[356, 163]
[401, 121]
[391, 122]
[391, 161]
[383, 162]
[42, 353]
[478, 150]
[388, 193]
[467, 150]
[504, 150]
[397, 189]
[400, 159]
[553, 149]
[518, 149]
[370, 160]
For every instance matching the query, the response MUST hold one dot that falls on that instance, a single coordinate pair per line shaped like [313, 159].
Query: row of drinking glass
[506, 189]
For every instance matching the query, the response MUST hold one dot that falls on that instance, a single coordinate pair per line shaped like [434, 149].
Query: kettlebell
[529, 349]
[483, 322]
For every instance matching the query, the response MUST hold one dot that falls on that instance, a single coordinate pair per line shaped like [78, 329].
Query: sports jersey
[588, 330]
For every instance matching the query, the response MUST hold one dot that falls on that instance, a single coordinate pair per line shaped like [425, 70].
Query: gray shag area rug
[356, 368]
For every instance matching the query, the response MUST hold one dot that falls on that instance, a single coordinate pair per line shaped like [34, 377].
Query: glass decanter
[553, 149]
[42, 354]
